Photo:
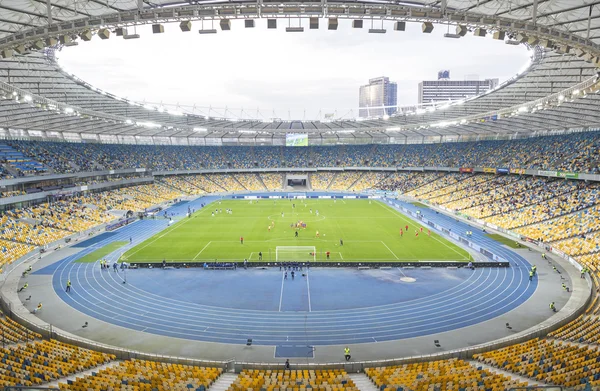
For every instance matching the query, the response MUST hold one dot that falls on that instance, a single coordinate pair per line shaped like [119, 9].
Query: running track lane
[487, 293]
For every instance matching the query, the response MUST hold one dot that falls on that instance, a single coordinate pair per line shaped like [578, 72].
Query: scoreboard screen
[296, 140]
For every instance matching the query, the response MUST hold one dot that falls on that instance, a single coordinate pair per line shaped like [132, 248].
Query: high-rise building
[375, 98]
[445, 89]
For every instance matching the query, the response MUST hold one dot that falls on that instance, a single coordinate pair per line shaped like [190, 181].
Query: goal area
[295, 253]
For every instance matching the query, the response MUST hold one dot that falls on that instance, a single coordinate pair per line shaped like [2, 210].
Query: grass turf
[370, 231]
[506, 241]
[101, 252]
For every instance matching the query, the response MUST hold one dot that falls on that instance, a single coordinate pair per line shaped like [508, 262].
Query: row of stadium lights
[225, 24]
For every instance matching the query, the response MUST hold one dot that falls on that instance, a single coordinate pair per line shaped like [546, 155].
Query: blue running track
[329, 306]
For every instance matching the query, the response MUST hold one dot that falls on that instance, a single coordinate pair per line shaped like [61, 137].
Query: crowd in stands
[146, 375]
[273, 380]
[450, 374]
[321, 180]
[572, 152]
[5, 174]
[22, 230]
[554, 362]
[182, 183]
[39, 362]
[227, 182]
[368, 180]
[272, 181]
[250, 182]
[563, 213]
[343, 180]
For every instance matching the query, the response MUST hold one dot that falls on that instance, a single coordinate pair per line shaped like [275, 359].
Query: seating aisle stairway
[362, 381]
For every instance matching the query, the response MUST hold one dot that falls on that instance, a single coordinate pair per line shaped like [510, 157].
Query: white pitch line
[168, 231]
[281, 294]
[341, 256]
[200, 252]
[386, 246]
[308, 287]
[433, 237]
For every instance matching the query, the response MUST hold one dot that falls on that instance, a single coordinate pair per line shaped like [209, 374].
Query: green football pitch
[370, 231]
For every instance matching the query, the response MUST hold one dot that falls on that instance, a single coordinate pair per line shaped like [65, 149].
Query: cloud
[300, 73]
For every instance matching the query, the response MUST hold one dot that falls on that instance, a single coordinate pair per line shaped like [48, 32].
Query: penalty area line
[386, 246]
[200, 252]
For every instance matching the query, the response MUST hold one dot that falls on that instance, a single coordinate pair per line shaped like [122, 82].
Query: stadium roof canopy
[558, 92]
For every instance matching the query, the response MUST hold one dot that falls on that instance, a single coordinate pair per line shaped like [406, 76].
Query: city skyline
[445, 89]
[378, 98]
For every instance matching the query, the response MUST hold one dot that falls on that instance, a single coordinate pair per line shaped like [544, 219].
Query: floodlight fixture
[86, 35]
[333, 24]
[499, 35]
[427, 27]
[20, 49]
[480, 32]
[185, 26]
[461, 30]
[104, 33]
[225, 24]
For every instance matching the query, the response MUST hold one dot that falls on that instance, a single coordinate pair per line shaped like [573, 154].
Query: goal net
[295, 253]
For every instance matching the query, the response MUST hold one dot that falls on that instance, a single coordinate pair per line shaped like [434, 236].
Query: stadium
[441, 246]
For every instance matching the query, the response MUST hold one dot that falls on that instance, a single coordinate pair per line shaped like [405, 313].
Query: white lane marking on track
[281, 294]
[145, 295]
[177, 320]
[386, 246]
[327, 337]
[308, 288]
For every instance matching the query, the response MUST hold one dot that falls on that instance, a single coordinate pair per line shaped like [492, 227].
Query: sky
[261, 73]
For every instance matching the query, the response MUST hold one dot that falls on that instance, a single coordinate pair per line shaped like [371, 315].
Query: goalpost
[295, 253]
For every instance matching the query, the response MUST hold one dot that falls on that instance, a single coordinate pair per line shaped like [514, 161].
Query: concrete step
[54, 384]
[362, 381]
[529, 381]
[223, 382]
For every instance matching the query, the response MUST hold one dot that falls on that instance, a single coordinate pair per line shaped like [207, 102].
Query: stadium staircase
[332, 181]
[362, 381]
[89, 372]
[529, 381]
[354, 183]
[223, 382]
[238, 182]
[260, 180]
